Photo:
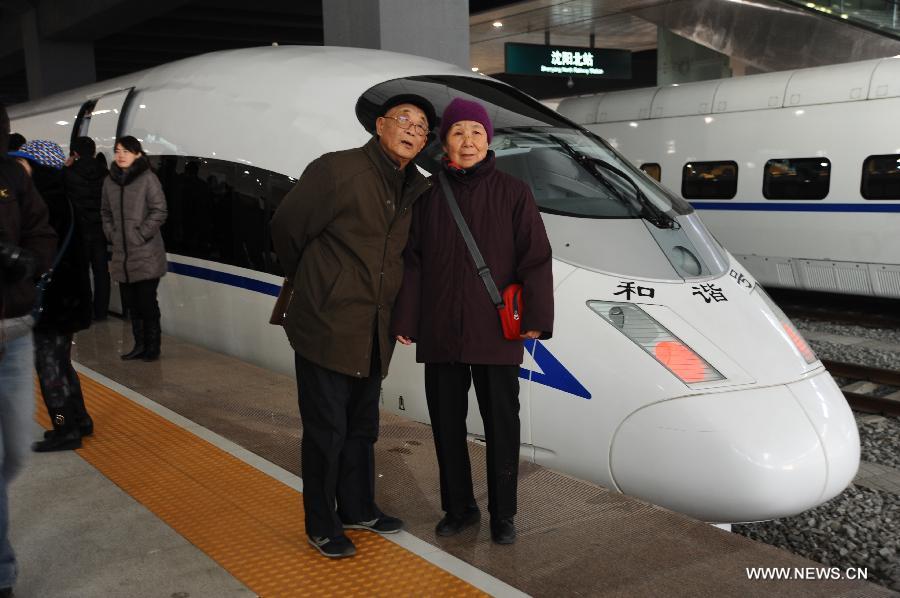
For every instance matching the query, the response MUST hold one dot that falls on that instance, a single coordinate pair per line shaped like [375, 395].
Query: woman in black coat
[445, 308]
[66, 304]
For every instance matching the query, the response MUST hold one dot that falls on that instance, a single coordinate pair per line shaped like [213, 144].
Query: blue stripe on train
[552, 374]
[242, 282]
[808, 206]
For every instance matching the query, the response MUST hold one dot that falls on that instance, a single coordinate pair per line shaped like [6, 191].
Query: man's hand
[404, 340]
[531, 334]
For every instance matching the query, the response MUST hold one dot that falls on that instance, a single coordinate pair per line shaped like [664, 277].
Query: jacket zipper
[399, 210]
[124, 242]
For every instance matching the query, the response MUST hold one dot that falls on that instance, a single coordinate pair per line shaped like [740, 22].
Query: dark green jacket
[340, 235]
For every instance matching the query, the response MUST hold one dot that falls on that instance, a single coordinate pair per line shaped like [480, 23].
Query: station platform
[190, 488]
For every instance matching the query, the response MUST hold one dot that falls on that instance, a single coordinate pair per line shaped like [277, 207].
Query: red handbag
[511, 312]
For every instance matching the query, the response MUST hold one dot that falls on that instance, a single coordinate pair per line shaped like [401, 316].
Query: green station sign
[570, 61]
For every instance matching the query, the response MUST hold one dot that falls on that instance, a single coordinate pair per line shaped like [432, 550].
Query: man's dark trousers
[340, 427]
[447, 393]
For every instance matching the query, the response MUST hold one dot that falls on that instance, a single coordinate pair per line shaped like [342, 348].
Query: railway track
[871, 312]
[866, 381]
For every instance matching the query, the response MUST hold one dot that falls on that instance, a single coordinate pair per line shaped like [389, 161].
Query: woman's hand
[531, 334]
[404, 340]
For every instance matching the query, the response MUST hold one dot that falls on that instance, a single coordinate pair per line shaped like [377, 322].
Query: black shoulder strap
[483, 271]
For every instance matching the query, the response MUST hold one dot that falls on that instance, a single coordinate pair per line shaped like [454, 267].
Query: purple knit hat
[460, 109]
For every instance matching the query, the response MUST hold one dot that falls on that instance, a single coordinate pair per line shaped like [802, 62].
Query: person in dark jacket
[133, 208]
[66, 305]
[16, 140]
[84, 175]
[27, 245]
[339, 235]
[444, 307]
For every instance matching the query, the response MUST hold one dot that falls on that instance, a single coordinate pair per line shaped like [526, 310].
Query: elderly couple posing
[375, 256]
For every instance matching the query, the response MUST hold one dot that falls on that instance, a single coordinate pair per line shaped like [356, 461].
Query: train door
[99, 119]
[83, 120]
[103, 123]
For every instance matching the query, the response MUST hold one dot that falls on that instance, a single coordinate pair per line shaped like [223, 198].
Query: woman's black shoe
[85, 426]
[58, 441]
[503, 531]
[452, 524]
[137, 330]
[152, 340]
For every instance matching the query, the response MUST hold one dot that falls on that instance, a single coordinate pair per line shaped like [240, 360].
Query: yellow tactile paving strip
[248, 522]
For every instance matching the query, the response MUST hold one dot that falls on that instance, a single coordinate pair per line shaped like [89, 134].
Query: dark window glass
[797, 178]
[220, 211]
[571, 171]
[709, 180]
[881, 177]
[653, 170]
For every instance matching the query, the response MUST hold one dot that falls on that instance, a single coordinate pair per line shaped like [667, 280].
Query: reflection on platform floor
[575, 538]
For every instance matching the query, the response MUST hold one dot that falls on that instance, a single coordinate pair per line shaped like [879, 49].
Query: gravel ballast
[858, 528]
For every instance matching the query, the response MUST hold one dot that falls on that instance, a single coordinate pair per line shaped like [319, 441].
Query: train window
[571, 172]
[220, 210]
[654, 170]
[881, 177]
[709, 180]
[797, 178]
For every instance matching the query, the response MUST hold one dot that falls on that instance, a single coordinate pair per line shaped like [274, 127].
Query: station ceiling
[131, 36]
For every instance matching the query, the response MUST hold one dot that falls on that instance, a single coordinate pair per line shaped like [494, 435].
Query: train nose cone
[740, 456]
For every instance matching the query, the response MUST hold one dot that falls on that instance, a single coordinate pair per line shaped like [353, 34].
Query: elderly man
[339, 235]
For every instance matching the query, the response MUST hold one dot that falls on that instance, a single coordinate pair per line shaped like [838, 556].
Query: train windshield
[571, 171]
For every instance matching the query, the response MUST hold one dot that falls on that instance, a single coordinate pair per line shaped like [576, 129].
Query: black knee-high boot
[137, 330]
[65, 436]
[152, 339]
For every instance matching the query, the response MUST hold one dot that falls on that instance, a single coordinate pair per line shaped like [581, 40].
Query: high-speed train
[796, 172]
[671, 376]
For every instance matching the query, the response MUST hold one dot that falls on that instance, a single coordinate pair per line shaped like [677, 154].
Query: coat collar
[385, 166]
[125, 177]
[414, 183]
[473, 174]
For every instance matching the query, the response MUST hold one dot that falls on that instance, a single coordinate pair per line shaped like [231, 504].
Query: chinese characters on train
[709, 293]
[629, 289]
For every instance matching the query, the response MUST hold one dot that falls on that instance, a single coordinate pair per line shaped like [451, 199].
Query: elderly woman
[133, 208]
[444, 307]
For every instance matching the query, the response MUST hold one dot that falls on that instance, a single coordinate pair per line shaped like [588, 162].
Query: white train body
[740, 425]
[844, 242]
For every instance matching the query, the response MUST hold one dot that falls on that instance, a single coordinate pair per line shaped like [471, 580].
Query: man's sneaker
[338, 547]
[382, 525]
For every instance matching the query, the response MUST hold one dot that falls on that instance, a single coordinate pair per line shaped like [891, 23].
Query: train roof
[855, 81]
[241, 70]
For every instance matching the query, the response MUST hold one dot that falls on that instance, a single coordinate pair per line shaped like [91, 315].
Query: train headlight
[795, 337]
[657, 341]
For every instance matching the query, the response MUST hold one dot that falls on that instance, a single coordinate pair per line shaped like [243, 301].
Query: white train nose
[739, 456]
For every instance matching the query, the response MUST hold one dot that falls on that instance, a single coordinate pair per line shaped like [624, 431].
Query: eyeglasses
[404, 122]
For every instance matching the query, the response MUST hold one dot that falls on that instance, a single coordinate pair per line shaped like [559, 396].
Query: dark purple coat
[443, 303]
